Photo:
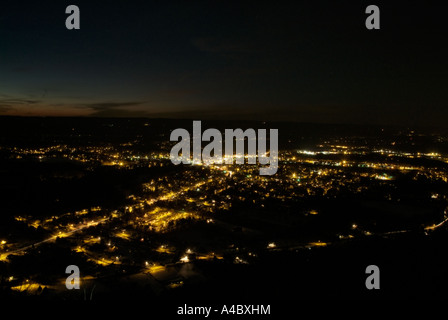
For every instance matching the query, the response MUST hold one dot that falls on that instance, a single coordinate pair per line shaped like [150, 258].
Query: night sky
[313, 61]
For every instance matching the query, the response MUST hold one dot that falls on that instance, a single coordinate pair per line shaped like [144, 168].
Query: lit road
[53, 238]
[92, 223]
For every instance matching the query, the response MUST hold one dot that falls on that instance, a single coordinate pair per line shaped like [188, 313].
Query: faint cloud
[11, 104]
[116, 109]
[17, 101]
[5, 108]
[121, 113]
[111, 105]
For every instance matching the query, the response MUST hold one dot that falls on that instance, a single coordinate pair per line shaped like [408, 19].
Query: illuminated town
[162, 230]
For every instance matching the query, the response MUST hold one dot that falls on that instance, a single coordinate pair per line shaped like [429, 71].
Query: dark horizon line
[413, 127]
